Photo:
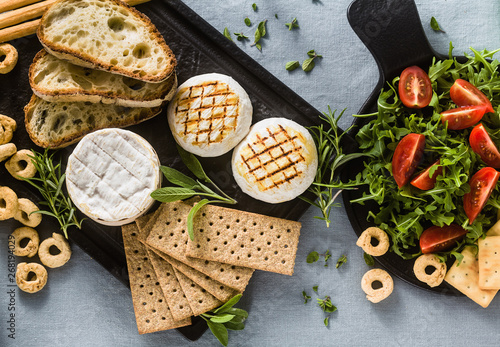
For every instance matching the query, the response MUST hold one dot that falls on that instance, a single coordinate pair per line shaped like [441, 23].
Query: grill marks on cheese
[273, 160]
[113, 179]
[208, 112]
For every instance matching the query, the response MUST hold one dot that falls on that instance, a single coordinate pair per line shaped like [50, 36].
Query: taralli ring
[7, 150]
[8, 203]
[425, 261]
[34, 283]
[31, 248]
[56, 260]
[374, 241]
[7, 128]
[10, 53]
[24, 213]
[20, 165]
[377, 284]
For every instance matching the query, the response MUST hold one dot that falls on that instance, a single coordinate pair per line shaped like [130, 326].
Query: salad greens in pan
[422, 161]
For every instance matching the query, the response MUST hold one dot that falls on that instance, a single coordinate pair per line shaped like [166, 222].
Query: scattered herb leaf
[326, 304]
[248, 22]
[292, 65]
[276, 15]
[435, 25]
[254, 6]
[50, 182]
[241, 36]
[309, 63]
[227, 34]
[306, 297]
[293, 24]
[369, 259]
[260, 32]
[327, 318]
[315, 288]
[341, 261]
[312, 257]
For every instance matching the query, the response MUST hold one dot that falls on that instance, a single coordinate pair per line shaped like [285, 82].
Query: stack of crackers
[478, 274]
[173, 278]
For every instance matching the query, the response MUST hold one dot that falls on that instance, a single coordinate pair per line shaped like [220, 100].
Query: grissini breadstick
[7, 5]
[28, 28]
[24, 13]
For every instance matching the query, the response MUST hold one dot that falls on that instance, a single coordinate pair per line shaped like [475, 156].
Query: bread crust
[75, 136]
[81, 58]
[163, 92]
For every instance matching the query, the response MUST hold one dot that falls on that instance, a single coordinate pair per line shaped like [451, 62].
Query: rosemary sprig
[188, 187]
[50, 184]
[326, 186]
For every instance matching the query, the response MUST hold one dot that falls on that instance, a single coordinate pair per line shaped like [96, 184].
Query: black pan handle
[386, 27]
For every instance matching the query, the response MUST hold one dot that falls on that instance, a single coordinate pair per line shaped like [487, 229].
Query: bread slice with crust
[59, 124]
[106, 35]
[54, 80]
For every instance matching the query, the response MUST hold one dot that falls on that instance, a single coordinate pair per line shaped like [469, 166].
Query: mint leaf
[312, 257]
[227, 34]
[248, 22]
[292, 65]
[435, 25]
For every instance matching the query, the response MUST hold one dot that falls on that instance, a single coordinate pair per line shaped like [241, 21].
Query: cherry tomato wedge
[415, 87]
[481, 185]
[464, 93]
[424, 180]
[437, 239]
[481, 143]
[463, 117]
[407, 155]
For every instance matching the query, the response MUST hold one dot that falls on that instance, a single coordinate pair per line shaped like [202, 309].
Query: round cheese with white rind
[210, 114]
[276, 162]
[111, 174]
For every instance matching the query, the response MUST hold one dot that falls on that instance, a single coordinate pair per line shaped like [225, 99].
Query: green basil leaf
[227, 34]
[230, 303]
[178, 178]
[219, 331]
[192, 214]
[171, 194]
[193, 164]
[312, 257]
[222, 318]
[292, 65]
[308, 64]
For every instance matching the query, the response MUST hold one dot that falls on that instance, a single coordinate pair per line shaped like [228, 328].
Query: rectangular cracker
[171, 288]
[245, 239]
[199, 299]
[215, 288]
[151, 309]
[145, 223]
[169, 235]
[489, 262]
[465, 276]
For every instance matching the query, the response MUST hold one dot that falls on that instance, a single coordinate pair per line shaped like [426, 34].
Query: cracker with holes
[169, 235]
[151, 309]
[245, 239]
[217, 289]
[176, 299]
[199, 299]
[465, 277]
[489, 262]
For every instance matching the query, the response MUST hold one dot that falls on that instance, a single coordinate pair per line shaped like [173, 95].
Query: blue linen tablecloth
[83, 305]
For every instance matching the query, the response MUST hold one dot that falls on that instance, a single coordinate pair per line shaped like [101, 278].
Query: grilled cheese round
[276, 162]
[210, 114]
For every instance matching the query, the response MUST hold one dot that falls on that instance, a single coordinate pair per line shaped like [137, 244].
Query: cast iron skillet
[393, 33]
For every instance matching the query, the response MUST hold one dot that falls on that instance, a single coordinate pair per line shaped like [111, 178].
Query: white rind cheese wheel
[210, 114]
[111, 174]
[276, 162]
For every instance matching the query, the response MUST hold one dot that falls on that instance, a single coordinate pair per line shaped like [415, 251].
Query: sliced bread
[53, 79]
[59, 124]
[107, 35]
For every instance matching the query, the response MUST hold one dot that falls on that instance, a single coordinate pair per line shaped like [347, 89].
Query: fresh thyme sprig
[226, 317]
[50, 184]
[326, 186]
[188, 187]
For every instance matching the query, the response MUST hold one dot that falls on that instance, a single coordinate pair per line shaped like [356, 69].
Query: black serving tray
[199, 48]
[392, 31]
